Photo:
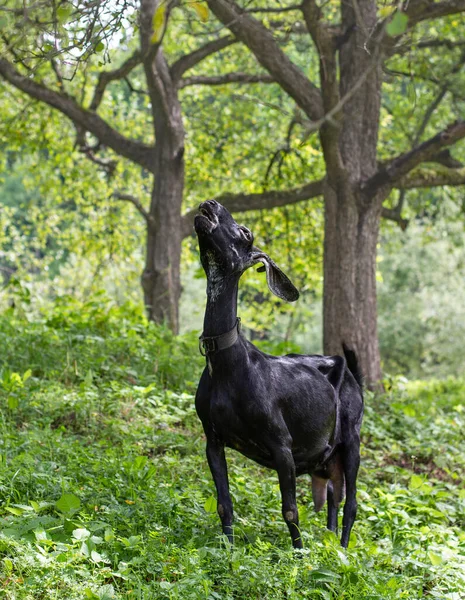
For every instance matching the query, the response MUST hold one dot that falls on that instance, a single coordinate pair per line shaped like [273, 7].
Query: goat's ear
[278, 282]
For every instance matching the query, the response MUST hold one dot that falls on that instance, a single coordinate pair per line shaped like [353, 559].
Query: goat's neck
[221, 309]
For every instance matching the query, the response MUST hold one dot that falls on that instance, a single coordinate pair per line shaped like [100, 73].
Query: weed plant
[105, 491]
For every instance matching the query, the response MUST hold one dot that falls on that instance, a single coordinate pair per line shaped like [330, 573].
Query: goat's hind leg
[351, 463]
[219, 470]
[333, 509]
[322, 491]
[336, 490]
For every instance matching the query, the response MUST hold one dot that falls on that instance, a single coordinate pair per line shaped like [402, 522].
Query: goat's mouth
[206, 221]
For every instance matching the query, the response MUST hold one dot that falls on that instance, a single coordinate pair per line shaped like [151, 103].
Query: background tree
[49, 52]
[345, 111]
[355, 43]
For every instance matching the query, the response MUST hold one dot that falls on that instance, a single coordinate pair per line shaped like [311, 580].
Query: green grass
[105, 490]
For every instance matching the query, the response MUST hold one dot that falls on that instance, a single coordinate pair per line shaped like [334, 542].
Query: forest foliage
[104, 486]
[100, 444]
[63, 231]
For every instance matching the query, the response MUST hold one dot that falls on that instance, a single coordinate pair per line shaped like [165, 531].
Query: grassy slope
[105, 491]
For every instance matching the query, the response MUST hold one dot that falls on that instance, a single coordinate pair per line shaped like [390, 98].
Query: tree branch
[262, 44]
[108, 165]
[427, 178]
[437, 101]
[418, 11]
[275, 10]
[426, 43]
[136, 202]
[421, 10]
[403, 164]
[392, 214]
[137, 152]
[443, 157]
[105, 77]
[165, 107]
[226, 78]
[440, 43]
[188, 61]
[429, 113]
[269, 199]
[329, 116]
[134, 90]
[324, 41]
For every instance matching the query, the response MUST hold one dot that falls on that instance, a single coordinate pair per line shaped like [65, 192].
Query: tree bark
[349, 291]
[161, 276]
[352, 216]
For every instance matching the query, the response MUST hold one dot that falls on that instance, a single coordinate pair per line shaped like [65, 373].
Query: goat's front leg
[285, 466]
[219, 470]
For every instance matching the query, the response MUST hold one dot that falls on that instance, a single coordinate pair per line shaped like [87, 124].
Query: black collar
[215, 343]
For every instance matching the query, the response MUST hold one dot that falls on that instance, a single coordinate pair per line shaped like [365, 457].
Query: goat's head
[227, 249]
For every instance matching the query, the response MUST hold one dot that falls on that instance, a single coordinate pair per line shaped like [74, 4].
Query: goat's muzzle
[207, 220]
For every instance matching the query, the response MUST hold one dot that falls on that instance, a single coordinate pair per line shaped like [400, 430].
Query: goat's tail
[352, 363]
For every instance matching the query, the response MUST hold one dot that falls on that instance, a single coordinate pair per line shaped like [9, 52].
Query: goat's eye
[247, 234]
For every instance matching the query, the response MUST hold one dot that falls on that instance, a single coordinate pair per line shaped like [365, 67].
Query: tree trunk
[161, 276]
[352, 217]
[349, 294]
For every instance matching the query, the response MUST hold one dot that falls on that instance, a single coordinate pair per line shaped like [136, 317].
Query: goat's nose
[208, 203]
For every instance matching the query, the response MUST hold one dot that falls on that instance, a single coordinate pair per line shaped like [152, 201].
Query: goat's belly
[251, 450]
[309, 463]
[304, 462]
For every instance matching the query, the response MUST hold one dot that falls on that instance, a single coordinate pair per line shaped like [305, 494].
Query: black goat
[295, 414]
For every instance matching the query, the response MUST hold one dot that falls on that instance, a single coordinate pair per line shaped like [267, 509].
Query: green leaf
[202, 10]
[24, 507]
[436, 559]
[420, 485]
[416, 482]
[62, 558]
[398, 25]
[159, 21]
[68, 504]
[96, 556]
[109, 535]
[15, 511]
[41, 535]
[8, 565]
[26, 375]
[409, 410]
[343, 558]
[81, 534]
[323, 574]
[100, 47]
[210, 505]
[133, 541]
[412, 92]
[386, 11]
[139, 463]
[64, 12]
[106, 592]
[13, 402]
